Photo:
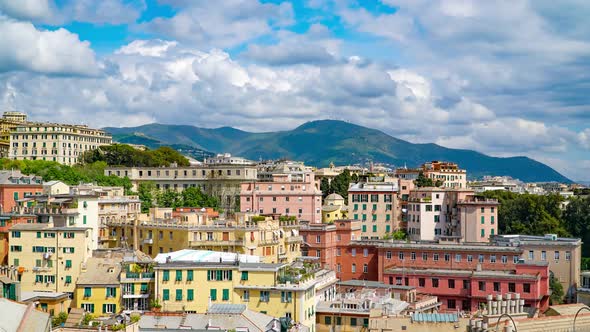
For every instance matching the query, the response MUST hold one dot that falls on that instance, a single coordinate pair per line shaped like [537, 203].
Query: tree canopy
[189, 197]
[423, 181]
[338, 185]
[126, 155]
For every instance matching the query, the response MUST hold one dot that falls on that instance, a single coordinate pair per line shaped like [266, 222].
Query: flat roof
[373, 284]
[37, 295]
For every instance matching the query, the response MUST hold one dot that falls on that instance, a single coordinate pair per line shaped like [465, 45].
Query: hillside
[320, 142]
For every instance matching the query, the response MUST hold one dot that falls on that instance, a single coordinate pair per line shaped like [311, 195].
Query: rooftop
[372, 284]
[45, 227]
[36, 296]
[100, 271]
[14, 314]
[204, 256]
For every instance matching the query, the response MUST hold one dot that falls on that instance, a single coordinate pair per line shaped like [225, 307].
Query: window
[190, 294]
[87, 291]
[244, 275]
[511, 287]
[166, 294]
[421, 282]
[496, 286]
[109, 308]
[428, 208]
[482, 286]
[465, 284]
[451, 304]
[264, 296]
[352, 321]
[470, 258]
[483, 233]
[435, 257]
[189, 275]
[492, 220]
[556, 255]
[178, 275]
[435, 282]
[286, 297]
[111, 292]
[504, 259]
[88, 307]
[413, 256]
[353, 268]
[353, 252]
[543, 255]
[568, 255]
[457, 257]
[213, 294]
[447, 257]
[328, 320]
[526, 288]
[246, 296]
[39, 235]
[318, 239]
[68, 250]
[424, 256]
[225, 294]
[16, 249]
[401, 255]
[388, 255]
[165, 275]
[451, 283]
[365, 268]
[492, 258]
[480, 258]
[15, 234]
[178, 295]
[365, 252]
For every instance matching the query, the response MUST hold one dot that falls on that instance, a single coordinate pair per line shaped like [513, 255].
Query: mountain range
[321, 142]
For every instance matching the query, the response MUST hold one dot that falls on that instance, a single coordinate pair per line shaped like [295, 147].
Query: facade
[563, 256]
[137, 282]
[448, 173]
[219, 176]
[292, 194]
[98, 289]
[13, 186]
[164, 231]
[49, 258]
[376, 205]
[452, 214]
[583, 292]
[50, 302]
[334, 208]
[279, 290]
[54, 142]
[327, 242]
[8, 123]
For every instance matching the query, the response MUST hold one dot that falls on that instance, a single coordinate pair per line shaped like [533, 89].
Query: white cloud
[23, 47]
[27, 9]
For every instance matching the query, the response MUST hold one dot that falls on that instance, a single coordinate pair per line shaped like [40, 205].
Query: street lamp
[512, 320]
[576, 316]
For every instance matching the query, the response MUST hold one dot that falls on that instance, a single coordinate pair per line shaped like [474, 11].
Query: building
[13, 186]
[279, 290]
[164, 230]
[452, 214]
[98, 289]
[62, 143]
[563, 255]
[583, 292]
[219, 317]
[448, 173]
[137, 282]
[334, 208]
[8, 123]
[219, 176]
[376, 205]
[23, 317]
[49, 258]
[326, 242]
[50, 302]
[285, 191]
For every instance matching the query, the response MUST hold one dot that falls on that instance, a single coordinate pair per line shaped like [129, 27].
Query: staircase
[74, 317]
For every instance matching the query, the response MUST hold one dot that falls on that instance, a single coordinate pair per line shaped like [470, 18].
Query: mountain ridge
[320, 142]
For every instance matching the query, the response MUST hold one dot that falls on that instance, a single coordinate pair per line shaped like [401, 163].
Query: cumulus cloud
[23, 47]
[27, 9]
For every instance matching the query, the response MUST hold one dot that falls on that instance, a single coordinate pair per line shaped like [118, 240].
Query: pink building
[286, 194]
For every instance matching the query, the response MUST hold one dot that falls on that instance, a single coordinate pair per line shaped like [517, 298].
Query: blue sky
[504, 78]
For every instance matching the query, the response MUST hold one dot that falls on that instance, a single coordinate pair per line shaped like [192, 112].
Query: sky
[501, 77]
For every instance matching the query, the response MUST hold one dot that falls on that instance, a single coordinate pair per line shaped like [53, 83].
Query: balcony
[108, 238]
[294, 239]
[137, 276]
[213, 242]
[269, 241]
[148, 241]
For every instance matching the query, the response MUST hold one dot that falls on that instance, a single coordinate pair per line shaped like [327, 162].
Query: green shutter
[165, 294]
[230, 274]
[189, 275]
[178, 275]
[213, 294]
[244, 275]
[190, 295]
[92, 307]
[132, 288]
[84, 220]
[387, 228]
[87, 292]
[68, 263]
[225, 295]
[39, 235]
[364, 228]
[144, 287]
[208, 274]
[374, 228]
[166, 275]
[219, 275]
[104, 308]
[179, 295]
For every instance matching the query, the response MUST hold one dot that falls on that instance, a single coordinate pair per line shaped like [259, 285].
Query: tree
[577, 220]
[126, 155]
[325, 187]
[194, 197]
[400, 234]
[146, 192]
[340, 184]
[59, 319]
[423, 181]
[556, 289]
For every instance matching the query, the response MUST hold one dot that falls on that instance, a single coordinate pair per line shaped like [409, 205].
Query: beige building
[164, 230]
[564, 256]
[376, 205]
[62, 143]
[8, 123]
[334, 208]
[448, 173]
[218, 176]
[49, 258]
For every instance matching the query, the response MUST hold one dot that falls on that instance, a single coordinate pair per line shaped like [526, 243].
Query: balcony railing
[294, 239]
[139, 275]
[148, 241]
[213, 242]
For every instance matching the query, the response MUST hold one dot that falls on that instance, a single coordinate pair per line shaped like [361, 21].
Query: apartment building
[49, 258]
[219, 176]
[98, 289]
[327, 242]
[62, 143]
[451, 214]
[290, 194]
[164, 230]
[279, 290]
[563, 256]
[137, 282]
[448, 173]
[376, 205]
[8, 123]
[13, 186]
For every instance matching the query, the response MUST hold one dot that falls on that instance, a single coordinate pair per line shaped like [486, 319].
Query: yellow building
[192, 280]
[98, 290]
[334, 208]
[49, 258]
[165, 230]
[50, 302]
